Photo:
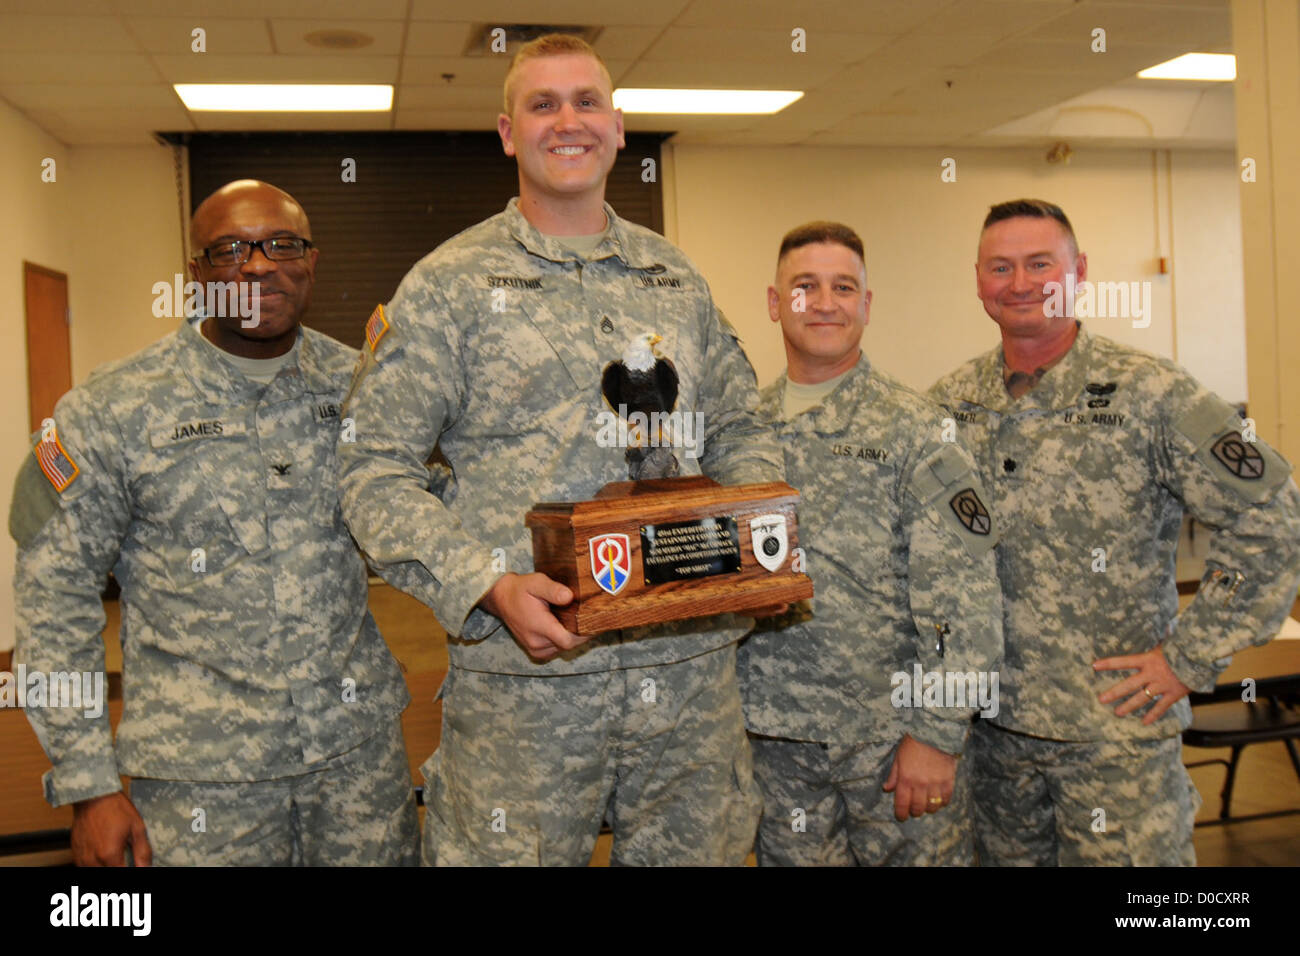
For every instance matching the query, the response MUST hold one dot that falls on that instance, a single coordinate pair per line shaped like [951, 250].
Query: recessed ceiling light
[1194, 66]
[704, 101]
[286, 97]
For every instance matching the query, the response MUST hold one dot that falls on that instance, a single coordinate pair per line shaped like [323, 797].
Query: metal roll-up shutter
[413, 190]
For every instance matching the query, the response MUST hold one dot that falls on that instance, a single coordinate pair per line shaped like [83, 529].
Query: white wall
[731, 206]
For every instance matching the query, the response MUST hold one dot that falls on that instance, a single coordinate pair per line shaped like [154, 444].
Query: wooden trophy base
[642, 552]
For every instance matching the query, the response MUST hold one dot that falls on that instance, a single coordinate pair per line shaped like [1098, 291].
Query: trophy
[660, 547]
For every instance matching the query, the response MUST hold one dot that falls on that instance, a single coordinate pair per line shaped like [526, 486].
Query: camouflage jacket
[248, 650]
[903, 583]
[1090, 473]
[493, 349]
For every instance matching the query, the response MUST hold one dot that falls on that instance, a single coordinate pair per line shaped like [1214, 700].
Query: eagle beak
[655, 340]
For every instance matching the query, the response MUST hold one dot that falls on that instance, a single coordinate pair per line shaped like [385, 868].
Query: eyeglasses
[277, 249]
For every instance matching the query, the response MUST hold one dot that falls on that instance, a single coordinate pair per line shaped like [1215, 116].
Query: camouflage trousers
[823, 805]
[358, 809]
[528, 767]
[1094, 803]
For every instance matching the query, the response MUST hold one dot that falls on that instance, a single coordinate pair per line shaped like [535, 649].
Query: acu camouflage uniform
[493, 348]
[901, 579]
[252, 660]
[1099, 461]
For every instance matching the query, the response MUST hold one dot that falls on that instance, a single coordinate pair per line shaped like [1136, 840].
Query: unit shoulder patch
[971, 512]
[1240, 458]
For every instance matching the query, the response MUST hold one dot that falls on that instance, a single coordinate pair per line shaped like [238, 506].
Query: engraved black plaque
[689, 549]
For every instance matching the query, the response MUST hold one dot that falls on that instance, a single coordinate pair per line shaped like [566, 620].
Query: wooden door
[49, 352]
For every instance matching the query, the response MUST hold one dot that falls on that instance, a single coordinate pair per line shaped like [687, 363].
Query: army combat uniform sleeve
[68, 517]
[1241, 489]
[953, 589]
[408, 386]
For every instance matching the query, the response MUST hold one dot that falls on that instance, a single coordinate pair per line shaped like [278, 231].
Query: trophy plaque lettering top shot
[661, 547]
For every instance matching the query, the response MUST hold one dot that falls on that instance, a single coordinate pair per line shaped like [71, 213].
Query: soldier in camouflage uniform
[900, 550]
[260, 703]
[493, 349]
[1092, 451]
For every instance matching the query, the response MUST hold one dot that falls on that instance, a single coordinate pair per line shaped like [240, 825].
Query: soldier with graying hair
[1092, 451]
[260, 714]
[492, 349]
[856, 766]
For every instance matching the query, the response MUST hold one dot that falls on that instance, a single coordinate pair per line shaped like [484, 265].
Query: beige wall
[37, 216]
[109, 221]
[730, 207]
[126, 237]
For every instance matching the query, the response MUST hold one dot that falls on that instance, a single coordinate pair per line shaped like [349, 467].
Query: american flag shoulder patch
[376, 327]
[55, 461]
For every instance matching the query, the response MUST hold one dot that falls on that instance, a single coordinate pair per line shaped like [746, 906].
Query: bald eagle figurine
[646, 383]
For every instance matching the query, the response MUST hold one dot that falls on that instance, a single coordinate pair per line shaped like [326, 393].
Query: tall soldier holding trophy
[493, 349]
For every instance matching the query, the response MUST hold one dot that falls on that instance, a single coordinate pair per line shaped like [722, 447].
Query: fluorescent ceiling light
[704, 101]
[285, 97]
[1194, 66]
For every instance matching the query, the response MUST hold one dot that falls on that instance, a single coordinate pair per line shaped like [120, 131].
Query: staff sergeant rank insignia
[1238, 457]
[971, 511]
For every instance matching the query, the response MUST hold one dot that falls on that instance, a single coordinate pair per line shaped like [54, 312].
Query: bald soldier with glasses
[261, 706]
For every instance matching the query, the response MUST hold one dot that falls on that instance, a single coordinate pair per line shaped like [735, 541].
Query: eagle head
[640, 353]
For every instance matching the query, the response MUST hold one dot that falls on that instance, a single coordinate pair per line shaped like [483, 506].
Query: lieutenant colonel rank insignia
[1238, 457]
[376, 327]
[611, 561]
[971, 511]
[55, 462]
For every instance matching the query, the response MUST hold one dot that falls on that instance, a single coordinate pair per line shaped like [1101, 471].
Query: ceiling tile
[260, 9]
[449, 96]
[760, 46]
[151, 118]
[474, 71]
[1140, 23]
[437, 37]
[23, 33]
[997, 17]
[78, 8]
[88, 68]
[282, 68]
[708, 73]
[298, 122]
[175, 35]
[66, 96]
[625, 43]
[446, 119]
[835, 16]
[554, 12]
